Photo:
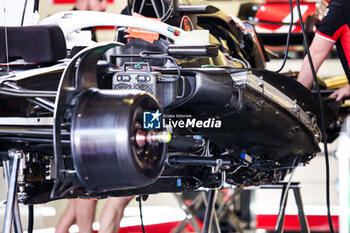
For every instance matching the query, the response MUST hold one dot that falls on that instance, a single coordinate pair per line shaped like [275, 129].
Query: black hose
[139, 199]
[288, 37]
[24, 11]
[322, 117]
[36, 5]
[30, 218]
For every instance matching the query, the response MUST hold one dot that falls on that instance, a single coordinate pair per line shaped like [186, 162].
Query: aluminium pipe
[26, 93]
[12, 191]
[44, 103]
[198, 161]
[14, 130]
[17, 218]
[31, 139]
[209, 211]
[47, 104]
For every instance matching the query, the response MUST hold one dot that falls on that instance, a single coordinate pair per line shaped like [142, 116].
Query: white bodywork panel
[72, 21]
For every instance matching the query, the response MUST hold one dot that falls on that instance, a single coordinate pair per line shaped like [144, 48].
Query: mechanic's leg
[67, 219]
[85, 214]
[112, 214]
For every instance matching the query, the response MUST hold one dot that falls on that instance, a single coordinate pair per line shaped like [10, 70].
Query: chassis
[76, 126]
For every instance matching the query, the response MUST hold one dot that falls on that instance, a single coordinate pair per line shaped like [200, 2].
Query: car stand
[222, 211]
[295, 186]
[190, 212]
[210, 216]
[12, 209]
[211, 222]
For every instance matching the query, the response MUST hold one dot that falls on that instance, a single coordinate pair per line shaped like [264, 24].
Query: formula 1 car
[193, 110]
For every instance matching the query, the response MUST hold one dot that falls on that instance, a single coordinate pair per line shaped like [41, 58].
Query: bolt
[317, 137]
[295, 109]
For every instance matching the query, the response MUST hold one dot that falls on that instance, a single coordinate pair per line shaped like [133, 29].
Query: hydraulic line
[288, 37]
[30, 218]
[322, 116]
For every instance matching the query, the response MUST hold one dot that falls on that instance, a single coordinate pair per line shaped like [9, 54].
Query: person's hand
[341, 93]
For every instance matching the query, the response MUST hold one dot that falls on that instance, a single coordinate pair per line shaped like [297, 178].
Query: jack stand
[210, 215]
[211, 222]
[190, 213]
[12, 210]
[223, 211]
[281, 214]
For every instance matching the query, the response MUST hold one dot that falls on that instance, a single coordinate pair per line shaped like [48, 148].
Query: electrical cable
[322, 116]
[30, 218]
[139, 199]
[133, 6]
[6, 44]
[165, 15]
[155, 9]
[24, 12]
[163, 7]
[182, 21]
[169, 12]
[142, 5]
[36, 6]
[288, 37]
